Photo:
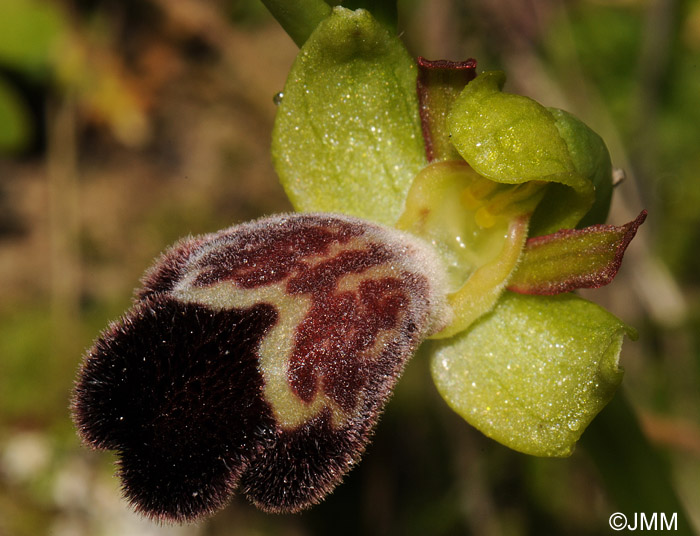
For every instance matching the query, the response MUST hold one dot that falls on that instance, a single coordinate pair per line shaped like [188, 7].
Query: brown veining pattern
[257, 358]
[338, 345]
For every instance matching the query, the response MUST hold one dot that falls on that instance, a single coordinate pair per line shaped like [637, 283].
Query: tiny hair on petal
[258, 359]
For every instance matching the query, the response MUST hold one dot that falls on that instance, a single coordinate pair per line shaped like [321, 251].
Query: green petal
[573, 258]
[534, 372]
[347, 135]
[507, 138]
[512, 139]
[438, 85]
[591, 159]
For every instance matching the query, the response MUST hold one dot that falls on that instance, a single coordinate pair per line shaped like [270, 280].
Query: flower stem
[298, 18]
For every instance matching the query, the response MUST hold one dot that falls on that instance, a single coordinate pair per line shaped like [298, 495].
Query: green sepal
[384, 11]
[347, 135]
[512, 139]
[534, 372]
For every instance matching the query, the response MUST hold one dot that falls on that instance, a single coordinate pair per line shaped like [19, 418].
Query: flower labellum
[257, 358]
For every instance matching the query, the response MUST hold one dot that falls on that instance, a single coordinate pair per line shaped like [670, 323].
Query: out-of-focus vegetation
[127, 124]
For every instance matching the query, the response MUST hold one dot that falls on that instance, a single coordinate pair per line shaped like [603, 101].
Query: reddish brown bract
[258, 357]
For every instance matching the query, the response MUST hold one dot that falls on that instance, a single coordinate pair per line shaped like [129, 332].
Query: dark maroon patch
[310, 457]
[270, 254]
[316, 455]
[333, 342]
[324, 276]
[177, 390]
[158, 389]
[341, 325]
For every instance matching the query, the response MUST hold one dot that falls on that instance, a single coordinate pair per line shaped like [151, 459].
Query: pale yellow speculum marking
[277, 346]
[275, 349]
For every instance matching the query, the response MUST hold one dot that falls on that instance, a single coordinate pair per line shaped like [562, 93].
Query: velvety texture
[258, 357]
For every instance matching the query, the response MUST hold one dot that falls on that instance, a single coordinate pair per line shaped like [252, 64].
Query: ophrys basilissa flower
[259, 358]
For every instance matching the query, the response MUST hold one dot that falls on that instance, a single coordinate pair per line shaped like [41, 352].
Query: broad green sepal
[384, 11]
[347, 136]
[513, 139]
[534, 372]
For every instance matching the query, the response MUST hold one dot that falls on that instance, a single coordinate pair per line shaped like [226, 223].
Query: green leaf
[571, 259]
[534, 372]
[512, 139]
[29, 32]
[347, 135]
[15, 124]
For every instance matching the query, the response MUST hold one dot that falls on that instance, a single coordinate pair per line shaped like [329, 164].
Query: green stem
[299, 17]
[635, 474]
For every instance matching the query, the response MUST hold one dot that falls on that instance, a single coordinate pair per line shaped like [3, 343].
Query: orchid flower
[433, 208]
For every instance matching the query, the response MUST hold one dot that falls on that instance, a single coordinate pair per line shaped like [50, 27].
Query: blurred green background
[126, 124]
